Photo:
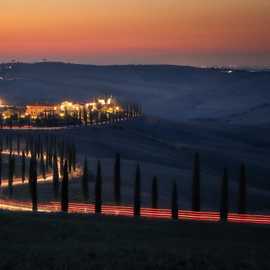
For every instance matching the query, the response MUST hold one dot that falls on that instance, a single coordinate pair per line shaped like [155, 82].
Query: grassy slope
[87, 242]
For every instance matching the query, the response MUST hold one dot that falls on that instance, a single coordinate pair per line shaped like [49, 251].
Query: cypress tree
[18, 144]
[23, 166]
[117, 179]
[11, 144]
[7, 141]
[1, 144]
[224, 208]
[85, 178]
[155, 192]
[196, 184]
[42, 166]
[70, 159]
[98, 190]
[73, 157]
[242, 193]
[55, 177]
[90, 117]
[137, 192]
[1, 168]
[11, 169]
[80, 116]
[64, 193]
[61, 163]
[85, 116]
[27, 146]
[174, 201]
[47, 152]
[33, 182]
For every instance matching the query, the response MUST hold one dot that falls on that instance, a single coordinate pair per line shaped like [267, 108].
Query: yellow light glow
[102, 101]
[105, 105]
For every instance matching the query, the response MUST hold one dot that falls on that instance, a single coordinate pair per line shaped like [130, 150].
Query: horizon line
[233, 67]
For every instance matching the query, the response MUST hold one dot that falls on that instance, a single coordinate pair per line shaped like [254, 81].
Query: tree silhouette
[224, 208]
[117, 179]
[47, 156]
[98, 189]
[1, 166]
[196, 184]
[174, 201]
[70, 158]
[137, 192]
[11, 169]
[74, 157]
[33, 182]
[61, 164]
[55, 177]
[64, 193]
[242, 190]
[18, 144]
[85, 116]
[23, 162]
[42, 166]
[154, 192]
[85, 179]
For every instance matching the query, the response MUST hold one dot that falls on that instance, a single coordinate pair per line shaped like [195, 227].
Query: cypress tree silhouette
[18, 144]
[1, 144]
[11, 169]
[85, 116]
[196, 184]
[64, 193]
[90, 117]
[98, 189]
[55, 177]
[11, 144]
[73, 157]
[1, 168]
[23, 166]
[80, 116]
[137, 192]
[47, 157]
[33, 182]
[117, 179]
[224, 207]
[62, 162]
[42, 166]
[85, 186]
[155, 192]
[242, 190]
[174, 201]
[7, 141]
[70, 158]
[27, 146]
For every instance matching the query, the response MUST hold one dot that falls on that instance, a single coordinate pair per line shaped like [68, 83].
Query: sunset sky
[192, 32]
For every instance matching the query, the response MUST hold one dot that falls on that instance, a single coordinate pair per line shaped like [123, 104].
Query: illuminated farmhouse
[67, 113]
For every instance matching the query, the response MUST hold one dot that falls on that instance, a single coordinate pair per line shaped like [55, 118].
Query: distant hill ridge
[178, 93]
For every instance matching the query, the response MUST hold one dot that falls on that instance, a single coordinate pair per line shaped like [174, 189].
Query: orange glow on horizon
[108, 28]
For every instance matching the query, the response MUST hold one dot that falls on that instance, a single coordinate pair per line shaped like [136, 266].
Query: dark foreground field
[86, 242]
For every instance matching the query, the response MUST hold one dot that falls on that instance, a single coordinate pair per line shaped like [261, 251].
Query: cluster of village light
[108, 105]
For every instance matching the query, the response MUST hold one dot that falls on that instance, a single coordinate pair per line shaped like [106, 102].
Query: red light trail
[125, 211]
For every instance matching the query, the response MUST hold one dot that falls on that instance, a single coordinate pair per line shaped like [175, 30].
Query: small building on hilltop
[35, 110]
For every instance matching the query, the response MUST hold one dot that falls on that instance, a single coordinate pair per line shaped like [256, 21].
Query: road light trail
[127, 211]
[121, 210]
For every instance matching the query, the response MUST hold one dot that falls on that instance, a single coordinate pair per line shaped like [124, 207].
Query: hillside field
[31, 241]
